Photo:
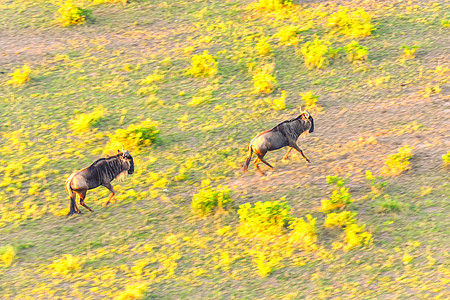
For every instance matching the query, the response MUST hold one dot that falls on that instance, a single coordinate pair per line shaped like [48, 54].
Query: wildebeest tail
[249, 157]
[71, 193]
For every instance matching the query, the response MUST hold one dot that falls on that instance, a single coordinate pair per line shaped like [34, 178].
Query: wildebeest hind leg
[257, 160]
[110, 188]
[82, 196]
[296, 147]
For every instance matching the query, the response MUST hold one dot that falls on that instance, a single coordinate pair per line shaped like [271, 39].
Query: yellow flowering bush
[263, 47]
[280, 103]
[409, 52]
[65, 265]
[288, 35]
[70, 14]
[397, 163]
[355, 236]
[203, 65]
[341, 219]
[135, 136]
[446, 159]
[263, 79]
[83, 122]
[356, 52]
[273, 4]
[303, 232]
[317, 53]
[310, 99]
[353, 23]
[209, 200]
[264, 218]
[20, 76]
[7, 256]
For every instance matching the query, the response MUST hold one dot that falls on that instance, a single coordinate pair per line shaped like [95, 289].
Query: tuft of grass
[409, 52]
[388, 204]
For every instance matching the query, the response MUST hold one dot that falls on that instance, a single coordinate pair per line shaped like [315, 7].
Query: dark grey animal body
[101, 172]
[282, 135]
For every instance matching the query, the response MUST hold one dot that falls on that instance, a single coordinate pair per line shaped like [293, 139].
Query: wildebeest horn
[301, 111]
[123, 150]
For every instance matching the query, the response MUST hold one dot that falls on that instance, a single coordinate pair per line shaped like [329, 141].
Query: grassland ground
[149, 244]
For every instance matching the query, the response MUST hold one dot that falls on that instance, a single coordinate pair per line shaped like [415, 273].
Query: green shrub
[356, 52]
[203, 65]
[317, 53]
[264, 218]
[355, 23]
[338, 200]
[83, 122]
[336, 180]
[70, 14]
[135, 136]
[397, 163]
[209, 200]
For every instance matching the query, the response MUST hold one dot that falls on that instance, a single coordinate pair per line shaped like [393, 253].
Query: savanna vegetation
[185, 86]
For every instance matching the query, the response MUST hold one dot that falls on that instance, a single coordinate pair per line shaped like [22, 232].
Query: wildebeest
[284, 134]
[101, 172]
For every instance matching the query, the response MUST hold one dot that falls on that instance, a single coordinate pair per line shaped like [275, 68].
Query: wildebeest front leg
[296, 147]
[287, 153]
[82, 196]
[110, 188]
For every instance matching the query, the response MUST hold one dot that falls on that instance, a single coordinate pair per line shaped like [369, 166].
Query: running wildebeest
[101, 172]
[284, 134]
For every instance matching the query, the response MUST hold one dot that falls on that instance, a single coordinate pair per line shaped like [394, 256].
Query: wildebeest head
[128, 159]
[307, 117]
